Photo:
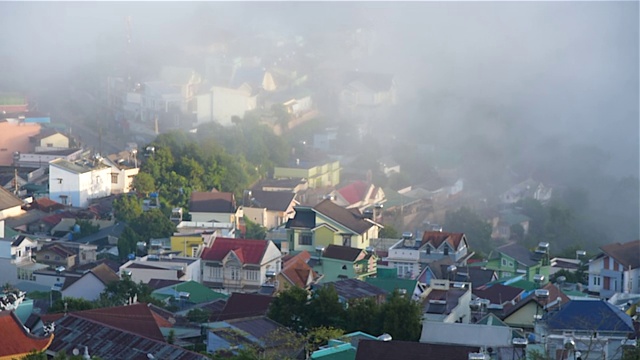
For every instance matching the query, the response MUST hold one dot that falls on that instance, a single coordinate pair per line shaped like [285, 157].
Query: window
[428, 249]
[504, 262]
[49, 145]
[64, 199]
[596, 280]
[114, 178]
[446, 250]
[57, 257]
[510, 264]
[215, 272]
[346, 240]
[235, 274]
[47, 257]
[306, 239]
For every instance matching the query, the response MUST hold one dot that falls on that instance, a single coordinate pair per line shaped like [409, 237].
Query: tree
[153, 224]
[198, 315]
[171, 337]
[144, 183]
[320, 336]
[477, 231]
[86, 229]
[70, 304]
[253, 230]
[364, 315]
[389, 232]
[401, 317]
[118, 293]
[288, 308]
[127, 242]
[325, 308]
[127, 208]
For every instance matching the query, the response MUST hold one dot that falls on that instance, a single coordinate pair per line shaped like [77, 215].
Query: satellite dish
[75, 352]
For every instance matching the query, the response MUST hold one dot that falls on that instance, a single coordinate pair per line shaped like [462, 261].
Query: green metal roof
[525, 285]
[391, 284]
[339, 352]
[198, 293]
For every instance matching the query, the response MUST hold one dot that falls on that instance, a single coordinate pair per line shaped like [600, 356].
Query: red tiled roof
[15, 340]
[354, 192]
[47, 205]
[297, 272]
[136, 318]
[627, 254]
[249, 251]
[436, 238]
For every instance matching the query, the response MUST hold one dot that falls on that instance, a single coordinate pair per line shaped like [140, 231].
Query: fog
[542, 83]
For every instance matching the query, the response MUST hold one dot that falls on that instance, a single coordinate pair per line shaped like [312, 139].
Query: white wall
[88, 287]
[230, 102]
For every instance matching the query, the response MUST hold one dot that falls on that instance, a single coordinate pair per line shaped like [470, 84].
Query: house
[344, 262]
[14, 138]
[110, 333]
[343, 348]
[176, 90]
[16, 342]
[75, 183]
[187, 293]
[442, 269]
[388, 165]
[240, 265]
[123, 171]
[50, 139]
[10, 205]
[213, 206]
[439, 244]
[616, 269]
[367, 90]
[90, 284]
[359, 195]
[167, 267]
[503, 223]
[16, 263]
[270, 209]
[297, 272]
[527, 189]
[291, 185]
[524, 312]
[272, 339]
[595, 328]
[480, 335]
[190, 244]
[317, 173]
[447, 301]
[514, 259]
[40, 159]
[328, 223]
[56, 255]
[499, 294]
[387, 279]
[351, 290]
[404, 256]
[221, 104]
[240, 305]
[411, 350]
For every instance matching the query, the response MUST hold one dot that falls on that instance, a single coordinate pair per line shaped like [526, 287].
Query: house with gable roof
[523, 313]
[168, 267]
[16, 342]
[297, 272]
[597, 329]
[439, 244]
[10, 205]
[351, 290]
[514, 259]
[241, 265]
[326, 224]
[359, 195]
[338, 262]
[213, 206]
[56, 255]
[270, 208]
[616, 269]
[90, 284]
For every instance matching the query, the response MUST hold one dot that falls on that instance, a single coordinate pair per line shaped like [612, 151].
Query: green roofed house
[513, 259]
[344, 348]
[387, 279]
[190, 291]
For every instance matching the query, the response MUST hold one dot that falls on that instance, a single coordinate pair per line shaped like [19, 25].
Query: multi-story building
[318, 174]
[240, 265]
[514, 259]
[75, 183]
[616, 269]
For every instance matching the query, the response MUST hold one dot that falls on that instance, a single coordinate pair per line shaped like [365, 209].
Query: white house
[10, 205]
[405, 257]
[123, 171]
[221, 104]
[15, 259]
[212, 206]
[90, 284]
[75, 183]
[240, 265]
[166, 267]
[616, 269]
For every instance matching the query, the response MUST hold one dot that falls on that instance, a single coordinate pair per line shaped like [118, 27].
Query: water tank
[76, 228]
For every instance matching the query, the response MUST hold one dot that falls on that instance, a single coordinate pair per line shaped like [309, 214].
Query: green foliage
[120, 292]
[153, 224]
[144, 183]
[253, 230]
[35, 355]
[127, 208]
[389, 232]
[320, 336]
[171, 338]
[401, 317]
[39, 295]
[198, 315]
[127, 242]
[364, 316]
[477, 231]
[289, 308]
[86, 229]
[72, 304]
[325, 309]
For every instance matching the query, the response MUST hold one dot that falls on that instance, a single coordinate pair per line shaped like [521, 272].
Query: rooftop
[212, 202]
[350, 289]
[410, 350]
[15, 340]
[626, 254]
[248, 251]
[344, 253]
[352, 219]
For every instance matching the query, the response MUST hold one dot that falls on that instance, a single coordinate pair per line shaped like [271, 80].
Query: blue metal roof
[590, 315]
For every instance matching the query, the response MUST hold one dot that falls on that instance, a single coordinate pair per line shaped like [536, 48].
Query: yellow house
[329, 224]
[190, 244]
[50, 139]
[317, 174]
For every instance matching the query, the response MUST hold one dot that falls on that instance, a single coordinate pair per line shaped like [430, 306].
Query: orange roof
[298, 272]
[15, 341]
[14, 137]
[436, 238]
[136, 318]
